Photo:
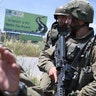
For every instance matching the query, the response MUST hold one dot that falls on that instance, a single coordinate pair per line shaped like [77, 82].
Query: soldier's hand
[53, 73]
[9, 71]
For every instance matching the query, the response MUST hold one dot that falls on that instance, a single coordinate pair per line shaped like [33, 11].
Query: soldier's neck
[82, 31]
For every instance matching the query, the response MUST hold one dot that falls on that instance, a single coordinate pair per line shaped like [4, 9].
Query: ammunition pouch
[85, 76]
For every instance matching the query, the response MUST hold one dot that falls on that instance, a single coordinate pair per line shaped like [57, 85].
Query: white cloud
[93, 25]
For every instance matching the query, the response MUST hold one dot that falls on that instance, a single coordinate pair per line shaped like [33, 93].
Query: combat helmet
[81, 9]
[59, 11]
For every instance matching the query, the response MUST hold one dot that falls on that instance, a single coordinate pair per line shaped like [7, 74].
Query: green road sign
[25, 22]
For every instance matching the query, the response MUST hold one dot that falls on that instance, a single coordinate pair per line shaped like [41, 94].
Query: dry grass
[24, 49]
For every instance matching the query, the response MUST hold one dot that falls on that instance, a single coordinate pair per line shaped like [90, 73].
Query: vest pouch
[85, 76]
[74, 81]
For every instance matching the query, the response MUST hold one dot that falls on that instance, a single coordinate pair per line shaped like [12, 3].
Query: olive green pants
[47, 84]
[32, 90]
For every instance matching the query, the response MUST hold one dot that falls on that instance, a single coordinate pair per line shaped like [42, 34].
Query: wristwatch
[22, 91]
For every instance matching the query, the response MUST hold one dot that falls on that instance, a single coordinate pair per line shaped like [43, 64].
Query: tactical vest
[72, 44]
[85, 72]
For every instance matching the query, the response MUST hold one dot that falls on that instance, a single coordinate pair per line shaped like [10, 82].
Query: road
[29, 64]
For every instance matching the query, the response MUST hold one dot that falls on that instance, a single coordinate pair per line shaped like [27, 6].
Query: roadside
[30, 66]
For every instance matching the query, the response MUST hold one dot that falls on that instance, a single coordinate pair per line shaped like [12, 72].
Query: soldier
[12, 83]
[80, 15]
[8, 69]
[57, 27]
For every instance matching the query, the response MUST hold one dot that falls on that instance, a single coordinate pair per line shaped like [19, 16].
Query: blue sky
[41, 7]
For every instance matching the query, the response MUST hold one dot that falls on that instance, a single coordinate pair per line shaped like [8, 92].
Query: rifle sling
[76, 59]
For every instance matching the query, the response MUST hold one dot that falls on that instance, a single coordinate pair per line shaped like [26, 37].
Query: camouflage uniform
[32, 89]
[51, 40]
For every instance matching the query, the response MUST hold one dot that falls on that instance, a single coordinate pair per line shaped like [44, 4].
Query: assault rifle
[66, 71]
[60, 62]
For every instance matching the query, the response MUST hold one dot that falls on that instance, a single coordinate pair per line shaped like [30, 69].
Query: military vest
[84, 63]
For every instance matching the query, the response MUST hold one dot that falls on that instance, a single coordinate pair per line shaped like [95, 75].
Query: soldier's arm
[45, 59]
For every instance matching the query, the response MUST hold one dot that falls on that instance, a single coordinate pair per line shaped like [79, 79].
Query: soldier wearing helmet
[59, 12]
[80, 10]
[80, 14]
[57, 27]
